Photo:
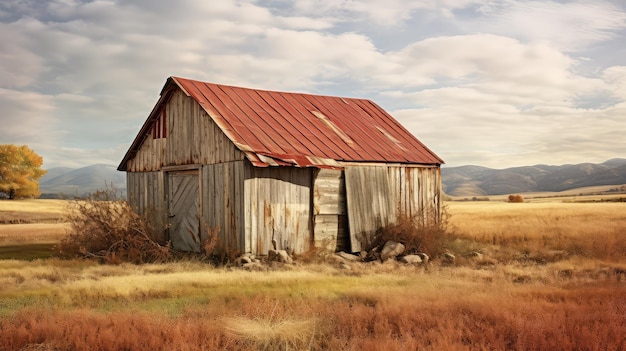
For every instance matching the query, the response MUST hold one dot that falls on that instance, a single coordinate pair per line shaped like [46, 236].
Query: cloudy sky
[497, 83]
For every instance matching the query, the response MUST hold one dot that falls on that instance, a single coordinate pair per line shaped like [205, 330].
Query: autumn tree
[20, 170]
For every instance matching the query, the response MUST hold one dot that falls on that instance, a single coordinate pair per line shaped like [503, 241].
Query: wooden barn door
[184, 210]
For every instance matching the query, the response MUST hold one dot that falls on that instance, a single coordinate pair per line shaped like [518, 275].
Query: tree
[20, 170]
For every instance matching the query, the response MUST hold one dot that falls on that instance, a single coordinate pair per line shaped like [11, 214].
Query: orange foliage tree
[20, 170]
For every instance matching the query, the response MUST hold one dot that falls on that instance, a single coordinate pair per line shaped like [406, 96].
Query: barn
[263, 167]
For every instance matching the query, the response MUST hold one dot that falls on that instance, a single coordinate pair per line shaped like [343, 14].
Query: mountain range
[479, 181]
[68, 182]
[457, 181]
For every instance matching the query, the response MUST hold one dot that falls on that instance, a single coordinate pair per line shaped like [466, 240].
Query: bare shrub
[209, 244]
[516, 198]
[414, 233]
[106, 228]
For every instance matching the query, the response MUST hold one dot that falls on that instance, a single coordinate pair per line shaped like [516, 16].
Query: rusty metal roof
[281, 128]
[303, 128]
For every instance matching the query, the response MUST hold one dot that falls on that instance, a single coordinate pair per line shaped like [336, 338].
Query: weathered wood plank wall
[416, 192]
[378, 194]
[223, 204]
[192, 138]
[277, 206]
[329, 210]
[184, 210]
[146, 193]
[368, 201]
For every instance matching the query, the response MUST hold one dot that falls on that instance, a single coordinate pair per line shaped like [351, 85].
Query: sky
[496, 83]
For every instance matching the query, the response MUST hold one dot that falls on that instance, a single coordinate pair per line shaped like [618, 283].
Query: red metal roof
[305, 129]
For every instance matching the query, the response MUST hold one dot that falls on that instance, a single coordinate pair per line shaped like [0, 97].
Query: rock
[348, 256]
[242, 260]
[423, 256]
[476, 255]
[448, 257]
[279, 256]
[391, 250]
[411, 259]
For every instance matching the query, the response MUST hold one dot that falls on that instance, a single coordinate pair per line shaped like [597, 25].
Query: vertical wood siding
[415, 192]
[377, 194]
[192, 138]
[277, 206]
[223, 204]
[369, 203]
[329, 210]
[146, 193]
[184, 210]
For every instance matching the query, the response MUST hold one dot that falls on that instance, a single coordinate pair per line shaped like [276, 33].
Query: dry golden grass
[596, 230]
[551, 277]
[32, 211]
[34, 205]
[80, 305]
[42, 233]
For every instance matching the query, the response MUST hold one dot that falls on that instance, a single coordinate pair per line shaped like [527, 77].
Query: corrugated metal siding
[277, 123]
[277, 206]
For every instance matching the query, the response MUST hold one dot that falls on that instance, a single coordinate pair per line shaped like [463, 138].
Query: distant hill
[81, 181]
[457, 181]
[480, 181]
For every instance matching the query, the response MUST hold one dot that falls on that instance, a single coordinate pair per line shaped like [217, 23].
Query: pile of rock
[251, 262]
[390, 251]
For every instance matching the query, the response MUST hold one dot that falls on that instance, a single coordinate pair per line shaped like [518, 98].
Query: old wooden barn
[299, 169]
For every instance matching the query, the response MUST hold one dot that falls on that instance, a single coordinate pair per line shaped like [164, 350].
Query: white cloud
[25, 115]
[569, 26]
[490, 84]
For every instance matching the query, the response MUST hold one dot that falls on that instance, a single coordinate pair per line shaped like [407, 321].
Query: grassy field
[31, 228]
[529, 276]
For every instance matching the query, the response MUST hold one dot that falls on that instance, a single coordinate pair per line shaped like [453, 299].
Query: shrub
[108, 229]
[414, 234]
[516, 198]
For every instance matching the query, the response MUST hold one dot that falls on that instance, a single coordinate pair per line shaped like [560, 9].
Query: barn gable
[263, 166]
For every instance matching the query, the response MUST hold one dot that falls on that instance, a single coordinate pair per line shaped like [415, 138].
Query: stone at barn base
[423, 256]
[347, 256]
[279, 256]
[391, 250]
[411, 259]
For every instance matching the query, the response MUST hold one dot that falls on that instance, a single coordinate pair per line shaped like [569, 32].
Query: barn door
[184, 210]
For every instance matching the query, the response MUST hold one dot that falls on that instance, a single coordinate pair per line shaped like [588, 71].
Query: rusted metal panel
[328, 127]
